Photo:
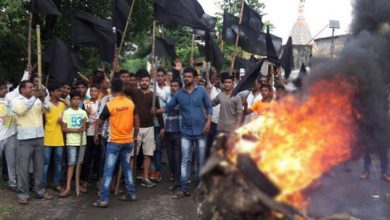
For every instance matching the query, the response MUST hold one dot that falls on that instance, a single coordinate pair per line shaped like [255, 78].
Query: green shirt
[74, 119]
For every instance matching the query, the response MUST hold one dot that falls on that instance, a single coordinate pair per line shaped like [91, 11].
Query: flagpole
[237, 37]
[39, 53]
[222, 47]
[154, 63]
[29, 40]
[192, 50]
[126, 27]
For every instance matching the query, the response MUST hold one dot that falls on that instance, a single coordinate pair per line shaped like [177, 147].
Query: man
[215, 90]
[124, 75]
[230, 107]
[8, 136]
[163, 93]
[82, 88]
[259, 106]
[28, 109]
[133, 81]
[124, 126]
[143, 99]
[195, 110]
[65, 91]
[172, 138]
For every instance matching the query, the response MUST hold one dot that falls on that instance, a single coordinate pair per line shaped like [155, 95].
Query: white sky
[283, 14]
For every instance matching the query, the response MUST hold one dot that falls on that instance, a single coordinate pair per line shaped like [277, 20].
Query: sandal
[180, 194]
[100, 204]
[58, 189]
[64, 195]
[22, 201]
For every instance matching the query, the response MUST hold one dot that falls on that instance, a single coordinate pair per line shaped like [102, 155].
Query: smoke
[365, 61]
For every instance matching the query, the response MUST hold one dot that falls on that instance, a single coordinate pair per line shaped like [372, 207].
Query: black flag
[272, 55]
[120, 13]
[252, 19]
[90, 30]
[241, 63]
[182, 12]
[287, 60]
[63, 62]
[249, 80]
[165, 48]
[202, 50]
[44, 7]
[210, 21]
[298, 82]
[213, 53]
[230, 28]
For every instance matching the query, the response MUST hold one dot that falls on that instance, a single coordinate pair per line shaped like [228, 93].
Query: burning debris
[262, 172]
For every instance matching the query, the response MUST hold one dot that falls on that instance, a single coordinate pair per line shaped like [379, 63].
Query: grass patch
[6, 210]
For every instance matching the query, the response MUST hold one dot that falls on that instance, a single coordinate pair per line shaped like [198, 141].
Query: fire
[300, 139]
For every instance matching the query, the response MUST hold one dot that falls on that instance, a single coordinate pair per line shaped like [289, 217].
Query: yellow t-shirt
[74, 119]
[53, 132]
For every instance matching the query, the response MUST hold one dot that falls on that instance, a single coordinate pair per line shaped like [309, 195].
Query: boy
[92, 152]
[53, 141]
[74, 123]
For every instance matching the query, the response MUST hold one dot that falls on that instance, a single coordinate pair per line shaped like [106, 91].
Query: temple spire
[301, 10]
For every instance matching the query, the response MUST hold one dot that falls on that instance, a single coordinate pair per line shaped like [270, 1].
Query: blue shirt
[193, 108]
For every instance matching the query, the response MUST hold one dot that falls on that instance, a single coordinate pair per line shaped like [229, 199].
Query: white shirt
[213, 93]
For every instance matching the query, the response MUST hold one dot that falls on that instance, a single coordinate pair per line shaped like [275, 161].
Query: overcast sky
[283, 14]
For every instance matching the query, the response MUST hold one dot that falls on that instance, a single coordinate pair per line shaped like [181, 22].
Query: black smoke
[365, 60]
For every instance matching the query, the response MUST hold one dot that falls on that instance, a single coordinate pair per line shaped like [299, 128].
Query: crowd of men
[95, 128]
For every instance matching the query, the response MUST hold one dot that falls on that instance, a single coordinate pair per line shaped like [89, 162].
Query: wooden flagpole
[29, 39]
[126, 27]
[39, 53]
[192, 50]
[154, 63]
[237, 38]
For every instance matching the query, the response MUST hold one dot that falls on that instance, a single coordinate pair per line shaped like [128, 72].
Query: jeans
[159, 149]
[173, 144]
[27, 149]
[189, 144]
[384, 160]
[113, 152]
[57, 164]
[8, 146]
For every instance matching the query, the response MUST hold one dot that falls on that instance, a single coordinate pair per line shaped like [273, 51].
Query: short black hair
[81, 82]
[3, 83]
[95, 86]
[123, 71]
[74, 93]
[279, 86]
[53, 86]
[227, 77]
[141, 72]
[162, 70]
[132, 75]
[117, 85]
[23, 85]
[178, 81]
[190, 70]
[268, 86]
[66, 84]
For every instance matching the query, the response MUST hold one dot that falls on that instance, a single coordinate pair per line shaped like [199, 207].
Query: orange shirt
[120, 111]
[259, 107]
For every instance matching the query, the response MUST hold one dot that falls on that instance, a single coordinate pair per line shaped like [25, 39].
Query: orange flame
[299, 140]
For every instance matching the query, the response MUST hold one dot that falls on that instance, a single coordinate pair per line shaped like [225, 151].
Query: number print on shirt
[76, 121]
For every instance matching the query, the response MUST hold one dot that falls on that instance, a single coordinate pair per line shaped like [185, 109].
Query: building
[324, 45]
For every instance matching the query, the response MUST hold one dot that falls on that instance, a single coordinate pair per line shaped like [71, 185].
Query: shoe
[180, 194]
[365, 176]
[45, 196]
[147, 183]
[157, 178]
[386, 177]
[100, 204]
[153, 176]
[173, 187]
[128, 198]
